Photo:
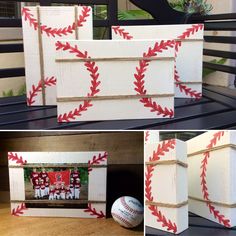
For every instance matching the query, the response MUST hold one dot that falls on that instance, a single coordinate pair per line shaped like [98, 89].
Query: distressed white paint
[169, 186]
[189, 57]
[220, 175]
[117, 78]
[55, 17]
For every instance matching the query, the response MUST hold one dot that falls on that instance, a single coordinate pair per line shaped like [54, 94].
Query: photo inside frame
[56, 186]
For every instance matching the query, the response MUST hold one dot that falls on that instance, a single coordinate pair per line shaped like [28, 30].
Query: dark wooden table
[216, 110]
[197, 227]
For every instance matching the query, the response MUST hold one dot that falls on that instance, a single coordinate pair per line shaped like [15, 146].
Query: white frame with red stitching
[96, 185]
[57, 23]
[212, 176]
[166, 184]
[108, 75]
[189, 52]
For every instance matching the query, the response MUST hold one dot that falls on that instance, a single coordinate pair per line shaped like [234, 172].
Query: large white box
[189, 52]
[39, 45]
[212, 176]
[112, 80]
[166, 187]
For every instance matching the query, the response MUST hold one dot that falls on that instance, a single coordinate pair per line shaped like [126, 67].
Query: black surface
[197, 227]
[217, 109]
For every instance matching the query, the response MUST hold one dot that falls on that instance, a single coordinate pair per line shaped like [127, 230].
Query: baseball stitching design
[93, 212]
[18, 159]
[48, 82]
[147, 134]
[52, 32]
[122, 32]
[221, 218]
[128, 208]
[122, 220]
[140, 75]
[19, 210]
[93, 69]
[97, 160]
[162, 148]
[192, 30]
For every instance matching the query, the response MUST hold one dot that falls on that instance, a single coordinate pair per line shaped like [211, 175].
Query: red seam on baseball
[183, 88]
[93, 69]
[128, 208]
[147, 134]
[48, 82]
[93, 212]
[96, 160]
[122, 219]
[162, 148]
[19, 210]
[122, 32]
[140, 78]
[18, 159]
[221, 218]
[55, 31]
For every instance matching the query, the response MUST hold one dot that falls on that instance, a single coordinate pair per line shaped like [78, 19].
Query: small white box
[212, 176]
[166, 186]
[189, 52]
[39, 45]
[112, 80]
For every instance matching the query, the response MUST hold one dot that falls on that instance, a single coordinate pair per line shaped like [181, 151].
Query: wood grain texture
[10, 226]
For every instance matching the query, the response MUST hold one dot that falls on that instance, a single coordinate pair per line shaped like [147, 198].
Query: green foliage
[10, 93]
[133, 14]
[207, 71]
[191, 6]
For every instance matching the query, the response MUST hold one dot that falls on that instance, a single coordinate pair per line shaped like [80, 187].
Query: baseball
[127, 211]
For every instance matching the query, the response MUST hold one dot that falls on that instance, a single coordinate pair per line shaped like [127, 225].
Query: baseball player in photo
[33, 177]
[68, 193]
[63, 192]
[47, 184]
[77, 188]
[43, 174]
[42, 188]
[37, 189]
[51, 193]
[57, 192]
[72, 187]
[75, 174]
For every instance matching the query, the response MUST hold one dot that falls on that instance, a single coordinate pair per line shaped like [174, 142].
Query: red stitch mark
[140, 75]
[19, 210]
[54, 31]
[48, 82]
[122, 220]
[147, 134]
[122, 33]
[16, 158]
[93, 212]
[97, 160]
[221, 218]
[161, 150]
[93, 69]
[183, 88]
[128, 208]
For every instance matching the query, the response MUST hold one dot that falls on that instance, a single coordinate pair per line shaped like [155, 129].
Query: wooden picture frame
[95, 163]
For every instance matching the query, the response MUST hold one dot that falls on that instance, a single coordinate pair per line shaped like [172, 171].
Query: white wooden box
[96, 162]
[212, 176]
[112, 80]
[189, 52]
[39, 45]
[151, 136]
[166, 186]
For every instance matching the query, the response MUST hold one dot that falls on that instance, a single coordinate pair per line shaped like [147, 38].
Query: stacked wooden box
[108, 79]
